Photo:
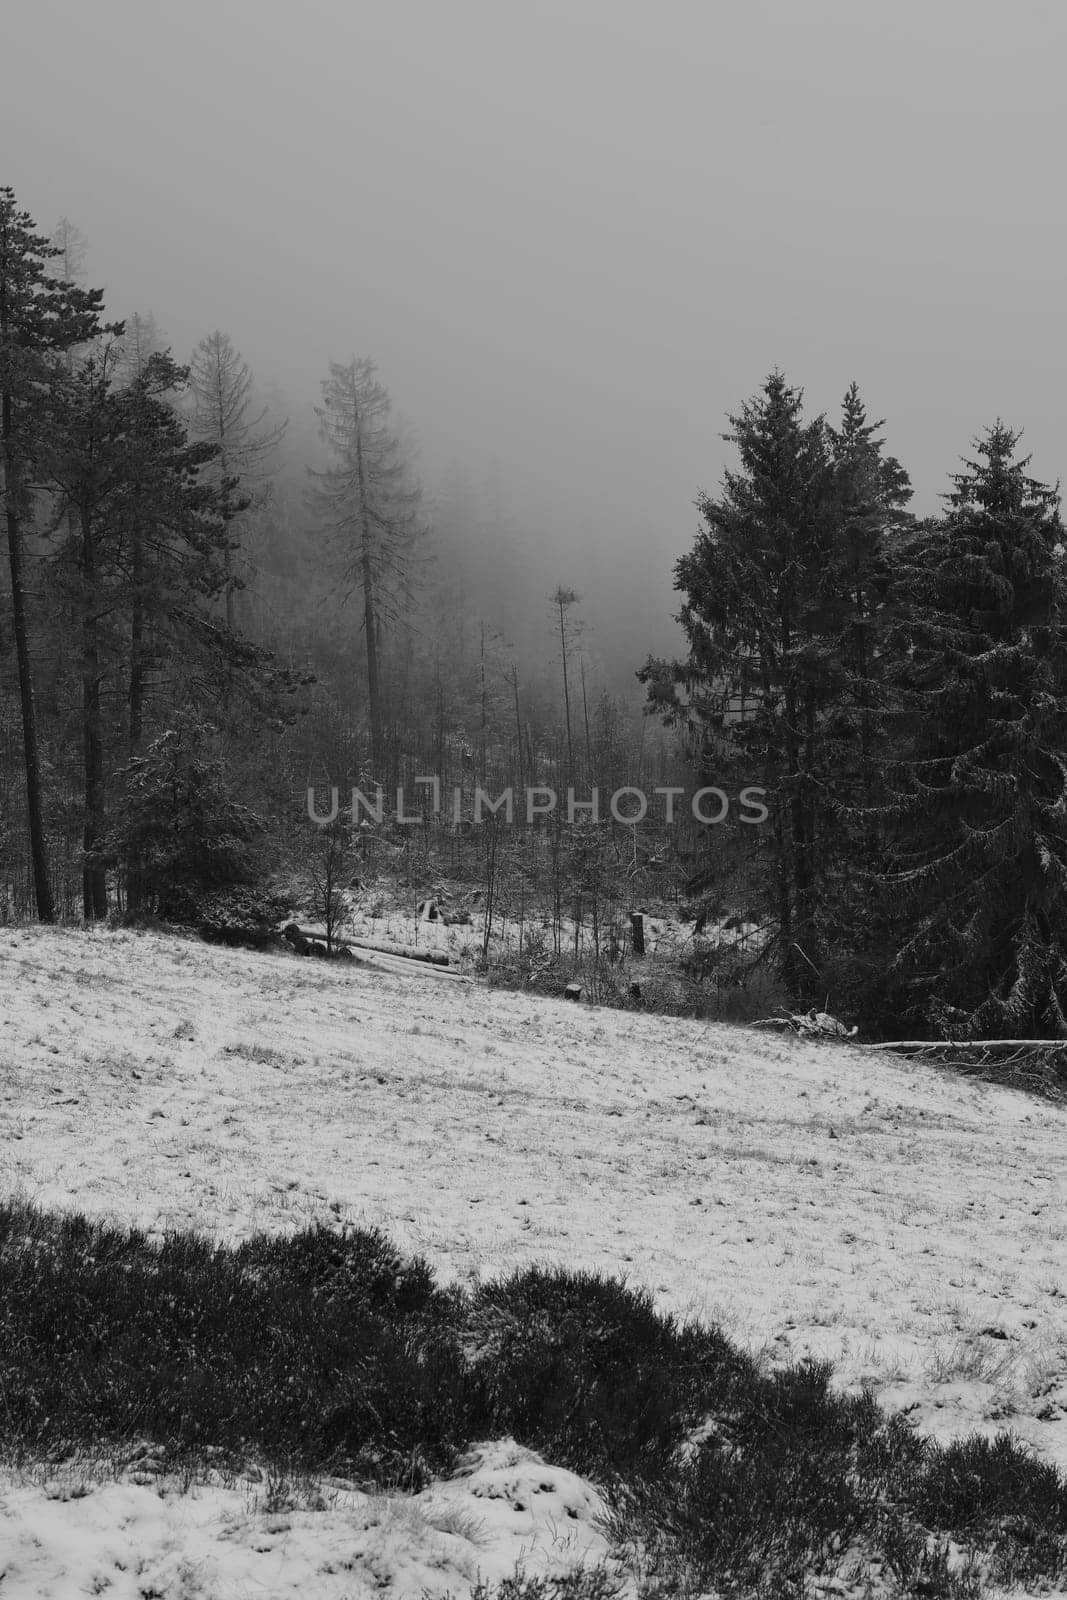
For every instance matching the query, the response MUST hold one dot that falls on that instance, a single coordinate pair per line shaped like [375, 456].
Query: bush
[326, 1350]
[240, 915]
[976, 1482]
[584, 1369]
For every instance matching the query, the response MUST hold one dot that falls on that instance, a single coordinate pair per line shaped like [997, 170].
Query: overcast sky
[575, 235]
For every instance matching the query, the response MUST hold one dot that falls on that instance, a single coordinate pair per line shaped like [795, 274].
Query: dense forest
[215, 614]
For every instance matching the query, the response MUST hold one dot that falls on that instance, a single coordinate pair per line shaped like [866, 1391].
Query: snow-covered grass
[810, 1198]
[73, 1532]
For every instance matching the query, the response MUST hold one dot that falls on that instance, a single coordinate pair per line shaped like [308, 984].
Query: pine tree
[368, 504]
[40, 318]
[979, 884]
[561, 601]
[144, 541]
[174, 536]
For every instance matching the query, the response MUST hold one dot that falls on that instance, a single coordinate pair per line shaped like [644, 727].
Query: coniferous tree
[145, 543]
[368, 504]
[758, 676]
[177, 818]
[142, 338]
[72, 248]
[81, 458]
[561, 601]
[221, 390]
[873, 491]
[40, 318]
[174, 542]
[785, 609]
[979, 883]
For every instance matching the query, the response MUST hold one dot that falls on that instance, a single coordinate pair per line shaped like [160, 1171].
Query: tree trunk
[42, 883]
[783, 883]
[370, 614]
[484, 717]
[220, 413]
[798, 846]
[94, 882]
[870, 831]
[518, 728]
[134, 872]
[137, 664]
[585, 714]
[566, 693]
[807, 863]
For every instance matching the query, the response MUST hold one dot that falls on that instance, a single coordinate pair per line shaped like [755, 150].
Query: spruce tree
[873, 489]
[757, 677]
[979, 881]
[872, 493]
[786, 605]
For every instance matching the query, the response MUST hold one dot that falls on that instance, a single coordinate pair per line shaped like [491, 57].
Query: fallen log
[389, 959]
[433, 958]
[969, 1044]
[386, 961]
[404, 953]
[1036, 1065]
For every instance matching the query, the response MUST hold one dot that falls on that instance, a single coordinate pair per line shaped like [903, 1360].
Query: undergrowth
[746, 992]
[328, 1352]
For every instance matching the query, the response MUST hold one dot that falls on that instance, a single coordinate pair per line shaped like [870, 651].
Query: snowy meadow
[811, 1200]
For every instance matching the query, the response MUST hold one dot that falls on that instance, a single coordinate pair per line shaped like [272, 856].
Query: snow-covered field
[811, 1198]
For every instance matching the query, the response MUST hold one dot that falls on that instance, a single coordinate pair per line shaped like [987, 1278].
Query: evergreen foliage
[177, 827]
[41, 318]
[783, 592]
[978, 880]
[367, 504]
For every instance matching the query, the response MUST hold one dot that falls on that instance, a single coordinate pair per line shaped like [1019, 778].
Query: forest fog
[592, 398]
[572, 238]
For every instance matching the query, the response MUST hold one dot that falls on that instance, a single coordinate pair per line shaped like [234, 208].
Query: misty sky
[575, 235]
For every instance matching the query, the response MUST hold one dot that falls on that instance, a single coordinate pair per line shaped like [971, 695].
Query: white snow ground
[811, 1198]
[130, 1541]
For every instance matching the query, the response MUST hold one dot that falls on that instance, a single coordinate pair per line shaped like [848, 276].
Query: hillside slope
[814, 1198]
